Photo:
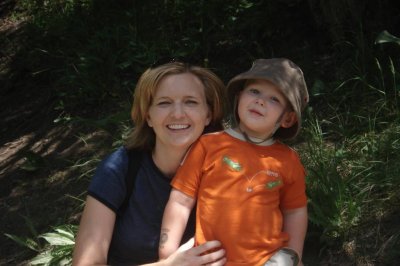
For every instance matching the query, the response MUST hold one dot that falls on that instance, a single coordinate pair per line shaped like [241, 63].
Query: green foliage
[60, 247]
[386, 37]
[327, 190]
[31, 243]
[57, 251]
[24, 241]
[352, 155]
[343, 176]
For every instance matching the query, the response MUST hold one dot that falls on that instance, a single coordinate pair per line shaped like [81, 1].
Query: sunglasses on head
[168, 60]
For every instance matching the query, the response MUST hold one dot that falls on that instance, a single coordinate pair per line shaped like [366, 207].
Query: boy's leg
[283, 257]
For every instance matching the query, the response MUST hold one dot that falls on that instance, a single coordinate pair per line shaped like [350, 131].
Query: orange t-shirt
[241, 189]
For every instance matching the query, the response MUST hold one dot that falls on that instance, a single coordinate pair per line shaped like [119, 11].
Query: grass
[352, 158]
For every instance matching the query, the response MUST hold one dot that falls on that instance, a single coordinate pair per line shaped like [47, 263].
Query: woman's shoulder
[108, 182]
[118, 156]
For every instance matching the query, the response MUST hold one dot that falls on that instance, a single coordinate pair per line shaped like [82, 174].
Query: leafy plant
[57, 251]
[386, 37]
[30, 243]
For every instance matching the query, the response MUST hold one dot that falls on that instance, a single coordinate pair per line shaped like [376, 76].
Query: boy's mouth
[254, 111]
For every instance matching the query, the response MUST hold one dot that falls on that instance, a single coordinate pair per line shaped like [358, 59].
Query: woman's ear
[289, 119]
[149, 123]
[208, 119]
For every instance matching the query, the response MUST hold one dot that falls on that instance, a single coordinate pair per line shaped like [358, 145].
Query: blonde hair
[143, 136]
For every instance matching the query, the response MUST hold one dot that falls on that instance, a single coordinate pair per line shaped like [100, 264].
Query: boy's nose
[260, 101]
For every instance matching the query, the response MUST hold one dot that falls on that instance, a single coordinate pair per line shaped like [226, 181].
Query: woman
[174, 104]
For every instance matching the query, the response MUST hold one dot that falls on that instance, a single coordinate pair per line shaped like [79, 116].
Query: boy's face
[262, 109]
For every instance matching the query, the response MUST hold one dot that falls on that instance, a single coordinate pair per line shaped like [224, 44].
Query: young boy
[249, 186]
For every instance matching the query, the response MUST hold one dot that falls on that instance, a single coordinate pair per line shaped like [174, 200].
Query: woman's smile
[178, 126]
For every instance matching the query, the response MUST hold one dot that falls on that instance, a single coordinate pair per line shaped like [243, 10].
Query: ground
[36, 185]
[36, 155]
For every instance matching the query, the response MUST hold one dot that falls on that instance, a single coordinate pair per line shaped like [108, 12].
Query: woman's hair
[143, 136]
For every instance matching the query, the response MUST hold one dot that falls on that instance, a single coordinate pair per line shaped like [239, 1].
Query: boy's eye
[274, 99]
[254, 91]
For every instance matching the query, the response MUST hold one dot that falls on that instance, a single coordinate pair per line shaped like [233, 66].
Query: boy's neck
[239, 134]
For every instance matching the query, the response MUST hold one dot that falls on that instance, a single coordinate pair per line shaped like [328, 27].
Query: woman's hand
[187, 255]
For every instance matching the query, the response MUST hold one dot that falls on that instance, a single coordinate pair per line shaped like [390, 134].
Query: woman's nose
[178, 110]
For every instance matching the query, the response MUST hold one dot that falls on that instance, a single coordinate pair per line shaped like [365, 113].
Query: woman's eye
[191, 102]
[163, 103]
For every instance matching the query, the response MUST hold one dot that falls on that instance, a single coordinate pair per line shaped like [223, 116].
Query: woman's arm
[295, 224]
[176, 215]
[94, 235]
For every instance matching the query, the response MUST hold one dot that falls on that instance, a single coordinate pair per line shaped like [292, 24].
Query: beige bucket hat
[287, 76]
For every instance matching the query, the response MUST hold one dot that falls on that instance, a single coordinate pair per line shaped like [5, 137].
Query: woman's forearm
[176, 215]
[174, 223]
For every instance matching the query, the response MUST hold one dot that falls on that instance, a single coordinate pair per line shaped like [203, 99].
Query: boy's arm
[295, 224]
[176, 215]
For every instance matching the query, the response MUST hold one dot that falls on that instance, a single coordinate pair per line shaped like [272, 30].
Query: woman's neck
[168, 160]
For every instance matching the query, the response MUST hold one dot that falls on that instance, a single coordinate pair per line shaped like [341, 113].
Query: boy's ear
[289, 119]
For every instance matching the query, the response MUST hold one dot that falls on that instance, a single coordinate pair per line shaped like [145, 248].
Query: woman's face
[179, 111]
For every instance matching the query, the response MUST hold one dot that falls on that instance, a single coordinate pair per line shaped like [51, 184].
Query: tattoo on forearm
[163, 237]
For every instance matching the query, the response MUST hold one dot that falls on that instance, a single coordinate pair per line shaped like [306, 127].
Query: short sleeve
[188, 176]
[108, 183]
[294, 191]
